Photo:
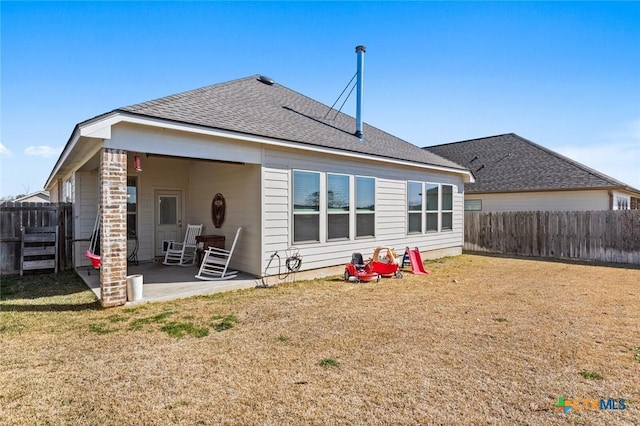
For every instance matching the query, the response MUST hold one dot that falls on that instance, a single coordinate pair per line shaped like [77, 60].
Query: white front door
[168, 223]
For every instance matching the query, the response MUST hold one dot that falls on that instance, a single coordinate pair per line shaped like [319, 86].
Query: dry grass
[480, 340]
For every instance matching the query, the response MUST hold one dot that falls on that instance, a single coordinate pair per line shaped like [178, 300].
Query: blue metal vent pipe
[359, 84]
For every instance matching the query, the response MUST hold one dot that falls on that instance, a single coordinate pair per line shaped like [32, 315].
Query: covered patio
[163, 283]
[154, 198]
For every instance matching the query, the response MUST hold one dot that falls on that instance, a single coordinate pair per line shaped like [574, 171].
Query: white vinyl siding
[178, 168]
[85, 209]
[391, 213]
[199, 181]
[240, 186]
[158, 173]
[390, 208]
[276, 216]
[258, 194]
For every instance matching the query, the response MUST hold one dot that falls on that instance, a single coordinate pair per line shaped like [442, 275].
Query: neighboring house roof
[252, 107]
[510, 163]
[35, 197]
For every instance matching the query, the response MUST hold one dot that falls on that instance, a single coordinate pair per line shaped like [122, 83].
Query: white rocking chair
[183, 254]
[216, 262]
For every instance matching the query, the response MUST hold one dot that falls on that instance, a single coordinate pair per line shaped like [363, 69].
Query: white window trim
[350, 212]
[624, 198]
[68, 190]
[437, 211]
[323, 211]
[442, 210]
[137, 212]
[320, 203]
[421, 211]
[375, 207]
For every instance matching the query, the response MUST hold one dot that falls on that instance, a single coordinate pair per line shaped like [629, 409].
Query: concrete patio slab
[162, 283]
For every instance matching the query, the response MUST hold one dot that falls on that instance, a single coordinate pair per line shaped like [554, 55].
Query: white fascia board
[100, 129]
[103, 127]
[96, 128]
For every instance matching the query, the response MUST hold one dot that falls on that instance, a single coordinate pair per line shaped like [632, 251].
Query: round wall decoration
[218, 208]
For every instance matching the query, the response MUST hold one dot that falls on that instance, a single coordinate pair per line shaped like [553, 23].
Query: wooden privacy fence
[605, 236]
[15, 216]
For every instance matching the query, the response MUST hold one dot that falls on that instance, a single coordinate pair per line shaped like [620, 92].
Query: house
[34, 197]
[514, 174]
[290, 174]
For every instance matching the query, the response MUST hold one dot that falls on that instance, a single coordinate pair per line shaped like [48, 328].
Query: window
[338, 207]
[168, 210]
[621, 202]
[332, 206]
[432, 207]
[132, 208]
[365, 206]
[306, 206]
[447, 207]
[67, 191]
[473, 205]
[414, 207]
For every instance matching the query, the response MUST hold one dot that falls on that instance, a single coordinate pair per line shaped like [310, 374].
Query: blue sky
[564, 75]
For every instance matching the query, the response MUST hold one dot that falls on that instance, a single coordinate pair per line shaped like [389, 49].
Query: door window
[168, 210]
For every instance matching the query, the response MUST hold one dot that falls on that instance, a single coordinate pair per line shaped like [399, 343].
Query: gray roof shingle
[251, 107]
[510, 163]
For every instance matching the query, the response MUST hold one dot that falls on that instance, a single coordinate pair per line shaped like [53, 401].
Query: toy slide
[416, 262]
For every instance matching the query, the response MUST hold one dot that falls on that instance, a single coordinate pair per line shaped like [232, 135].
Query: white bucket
[134, 287]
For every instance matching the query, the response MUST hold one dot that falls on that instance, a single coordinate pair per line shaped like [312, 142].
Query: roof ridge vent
[266, 80]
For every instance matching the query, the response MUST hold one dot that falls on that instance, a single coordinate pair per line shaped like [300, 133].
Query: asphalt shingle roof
[510, 163]
[252, 107]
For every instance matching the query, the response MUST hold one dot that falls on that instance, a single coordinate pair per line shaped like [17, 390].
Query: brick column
[113, 227]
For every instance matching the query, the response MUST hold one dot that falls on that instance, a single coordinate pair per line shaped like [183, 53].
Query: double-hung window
[414, 207]
[365, 206]
[433, 197]
[338, 206]
[132, 208]
[306, 206]
[447, 207]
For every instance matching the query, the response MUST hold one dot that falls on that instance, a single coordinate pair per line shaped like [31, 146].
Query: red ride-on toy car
[385, 263]
[358, 271]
